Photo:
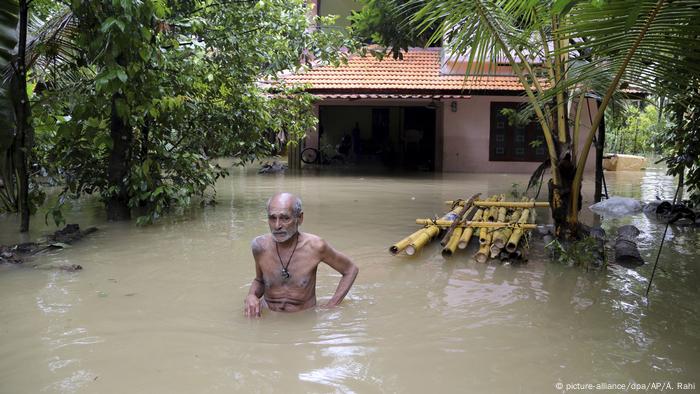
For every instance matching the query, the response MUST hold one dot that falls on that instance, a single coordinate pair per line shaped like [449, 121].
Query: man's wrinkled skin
[299, 291]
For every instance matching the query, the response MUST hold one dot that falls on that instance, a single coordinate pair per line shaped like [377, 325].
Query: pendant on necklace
[285, 273]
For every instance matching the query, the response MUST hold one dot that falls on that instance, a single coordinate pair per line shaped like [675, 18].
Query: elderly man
[286, 262]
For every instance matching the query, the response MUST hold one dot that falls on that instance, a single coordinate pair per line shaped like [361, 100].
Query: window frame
[515, 141]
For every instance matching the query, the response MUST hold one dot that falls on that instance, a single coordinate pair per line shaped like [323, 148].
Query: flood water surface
[158, 309]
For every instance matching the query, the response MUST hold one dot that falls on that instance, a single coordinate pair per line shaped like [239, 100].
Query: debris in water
[617, 207]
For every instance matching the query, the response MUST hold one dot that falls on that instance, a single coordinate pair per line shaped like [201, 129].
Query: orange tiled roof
[419, 71]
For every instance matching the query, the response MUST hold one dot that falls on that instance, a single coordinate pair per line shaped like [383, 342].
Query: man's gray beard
[286, 239]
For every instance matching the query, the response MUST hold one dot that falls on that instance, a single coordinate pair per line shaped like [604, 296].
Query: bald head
[286, 200]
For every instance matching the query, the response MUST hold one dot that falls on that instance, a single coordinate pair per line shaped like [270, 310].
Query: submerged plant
[515, 190]
[582, 252]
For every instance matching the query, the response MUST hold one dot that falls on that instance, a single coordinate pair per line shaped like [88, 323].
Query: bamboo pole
[502, 211]
[514, 239]
[493, 211]
[484, 233]
[422, 239]
[501, 219]
[430, 231]
[469, 230]
[401, 245]
[508, 204]
[476, 224]
[466, 207]
[501, 236]
[482, 255]
[451, 245]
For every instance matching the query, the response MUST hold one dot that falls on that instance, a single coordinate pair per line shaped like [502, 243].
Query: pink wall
[465, 133]
[466, 138]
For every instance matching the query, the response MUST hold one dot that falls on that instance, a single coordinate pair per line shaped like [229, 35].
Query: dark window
[514, 142]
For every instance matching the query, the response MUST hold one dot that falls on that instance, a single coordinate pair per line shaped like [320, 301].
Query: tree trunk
[600, 147]
[561, 211]
[23, 138]
[119, 164]
[145, 131]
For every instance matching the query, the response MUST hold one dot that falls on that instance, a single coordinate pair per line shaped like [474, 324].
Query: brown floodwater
[158, 309]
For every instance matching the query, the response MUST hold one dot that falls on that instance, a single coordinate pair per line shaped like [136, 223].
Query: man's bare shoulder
[259, 243]
[315, 242]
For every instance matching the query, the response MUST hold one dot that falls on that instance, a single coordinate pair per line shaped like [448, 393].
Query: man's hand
[252, 306]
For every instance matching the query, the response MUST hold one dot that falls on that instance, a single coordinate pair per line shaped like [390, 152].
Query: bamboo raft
[501, 227]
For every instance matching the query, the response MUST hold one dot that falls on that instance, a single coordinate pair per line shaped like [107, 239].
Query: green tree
[637, 131]
[682, 145]
[384, 21]
[147, 92]
[17, 135]
[563, 51]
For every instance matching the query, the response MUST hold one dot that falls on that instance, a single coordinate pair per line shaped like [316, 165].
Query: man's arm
[342, 264]
[257, 287]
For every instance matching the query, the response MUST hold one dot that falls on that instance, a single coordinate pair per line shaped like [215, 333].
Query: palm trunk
[600, 148]
[572, 219]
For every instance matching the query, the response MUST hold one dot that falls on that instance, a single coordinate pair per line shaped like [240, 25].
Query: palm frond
[51, 44]
[668, 55]
[9, 16]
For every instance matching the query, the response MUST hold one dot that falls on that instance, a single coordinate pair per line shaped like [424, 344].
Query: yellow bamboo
[431, 231]
[469, 231]
[509, 204]
[477, 224]
[501, 219]
[482, 255]
[401, 245]
[514, 239]
[451, 245]
[465, 210]
[498, 238]
[422, 239]
[493, 212]
[495, 251]
[503, 234]
[502, 211]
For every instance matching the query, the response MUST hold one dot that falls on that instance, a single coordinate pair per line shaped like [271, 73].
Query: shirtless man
[286, 262]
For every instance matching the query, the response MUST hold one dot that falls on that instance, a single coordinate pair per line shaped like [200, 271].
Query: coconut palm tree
[564, 51]
[24, 44]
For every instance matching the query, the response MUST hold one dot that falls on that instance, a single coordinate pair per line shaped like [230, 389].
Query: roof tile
[418, 71]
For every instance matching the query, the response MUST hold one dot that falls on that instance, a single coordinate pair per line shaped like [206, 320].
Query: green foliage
[388, 23]
[682, 154]
[9, 16]
[188, 80]
[636, 131]
[562, 51]
[580, 253]
[515, 191]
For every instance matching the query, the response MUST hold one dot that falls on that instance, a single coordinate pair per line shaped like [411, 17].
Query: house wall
[341, 8]
[462, 137]
[466, 137]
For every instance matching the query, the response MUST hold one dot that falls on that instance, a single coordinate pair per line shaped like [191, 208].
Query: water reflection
[159, 309]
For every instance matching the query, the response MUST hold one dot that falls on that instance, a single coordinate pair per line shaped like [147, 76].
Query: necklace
[285, 273]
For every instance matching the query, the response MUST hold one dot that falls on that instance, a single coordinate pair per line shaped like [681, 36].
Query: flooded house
[421, 113]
